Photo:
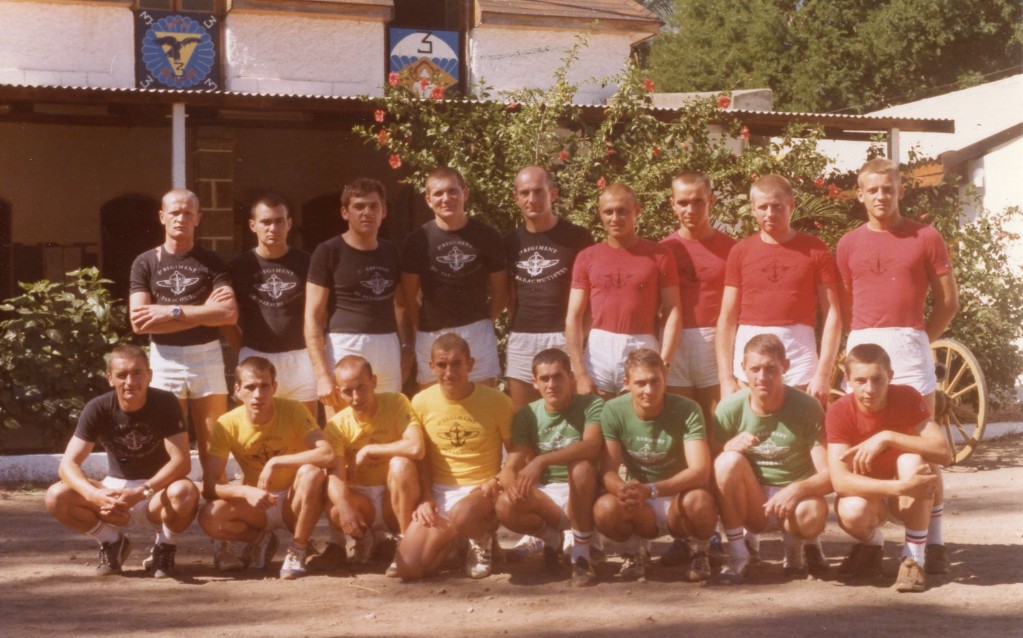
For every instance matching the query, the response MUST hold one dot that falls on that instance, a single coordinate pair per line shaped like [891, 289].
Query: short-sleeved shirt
[454, 270]
[624, 284]
[846, 424]
[347, 435]
[134, 441]
[786, 436]
[889, 272]
[543, 432]
[541, 269]
[465, 438]
[362, 285]
[182, 279]
[653, 450]
[701, 275]
[778, 282]
[271, 299]
[254, 445]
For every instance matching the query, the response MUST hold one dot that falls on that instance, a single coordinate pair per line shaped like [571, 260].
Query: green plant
[51, 356]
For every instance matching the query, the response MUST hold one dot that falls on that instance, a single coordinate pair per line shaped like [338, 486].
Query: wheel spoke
[948, 362]
[959, 375]
[969, 388]
[967, 435]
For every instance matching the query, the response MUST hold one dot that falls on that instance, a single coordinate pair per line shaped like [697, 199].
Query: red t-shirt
[889, 272]
[701, 276]
[624, 285]
[847, 424]
[778, 282]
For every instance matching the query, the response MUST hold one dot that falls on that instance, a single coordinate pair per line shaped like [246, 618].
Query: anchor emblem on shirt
[377, 284]
[877, 266]
[264, 453]
[458, 435]
[536, 264]
[456, 259]
[135, 441]
[177, 282]
[615, 280]
[275, 286]
[774, 271]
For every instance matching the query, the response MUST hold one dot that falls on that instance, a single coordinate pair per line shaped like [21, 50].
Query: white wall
[51, 44]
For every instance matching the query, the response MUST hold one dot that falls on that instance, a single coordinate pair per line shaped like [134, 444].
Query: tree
[828, 55]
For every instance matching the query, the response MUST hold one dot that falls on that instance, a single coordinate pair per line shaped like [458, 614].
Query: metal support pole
[893, 145]
[178, 145]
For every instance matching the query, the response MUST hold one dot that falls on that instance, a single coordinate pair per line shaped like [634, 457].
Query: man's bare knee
[727, 464]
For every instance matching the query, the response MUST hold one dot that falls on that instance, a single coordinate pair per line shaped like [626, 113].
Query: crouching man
[142, 430]
[282, 455]
[881, 442]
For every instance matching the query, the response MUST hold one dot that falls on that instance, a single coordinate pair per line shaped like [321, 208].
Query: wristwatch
[147, 491]
[653, 490]
[176, 312]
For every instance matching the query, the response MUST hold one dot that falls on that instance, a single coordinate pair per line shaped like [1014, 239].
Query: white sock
[298, 550]
[916, 542]
[753, 540]
[166, 536]
[104, 533]
[581, 544]
[934, 527]
[736, 545]
[877, 538]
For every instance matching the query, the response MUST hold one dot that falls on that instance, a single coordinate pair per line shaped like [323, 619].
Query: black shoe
[160, 561]
[815, 562]
[863, 562]
[677, 554]
[849, 562]
[935, 559]
[112, 556]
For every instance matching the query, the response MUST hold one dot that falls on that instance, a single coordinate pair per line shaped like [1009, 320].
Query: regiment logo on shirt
[774, 271]
[458, 435]
[648, 455]
[878, 265]
[456, 259]
[177, 282]
[275, 286]
[769, 450]
[135, 443]
[263, 453]
[536, 264]
[615, 280]
[559, 442]
[377, 283]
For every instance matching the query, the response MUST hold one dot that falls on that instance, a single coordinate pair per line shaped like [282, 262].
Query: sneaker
[478, 558]
[911, 577]
[525, 547]
[112, 556]
[815, 562]
[699, 567]
[794, 565]
[292, 567]
[583, 574]
[677, 554]
[732, 573]
[261, 553]
[161, 560]
[936, 559]
[849, 562]
[632, 567]
[332, 558]
[363, 550]
[597, 555]
[392, 570]
[225, 559]
[863, 562]
[752, 542]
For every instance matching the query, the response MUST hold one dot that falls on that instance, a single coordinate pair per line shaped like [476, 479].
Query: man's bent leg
[521, 393]
[205, 411]
[403, 493]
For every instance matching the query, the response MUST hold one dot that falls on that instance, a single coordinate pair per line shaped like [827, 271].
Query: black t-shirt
[454, 269]
[362, 285]
[541, 270]
[184, 279]
[133, 440]
[271, 299]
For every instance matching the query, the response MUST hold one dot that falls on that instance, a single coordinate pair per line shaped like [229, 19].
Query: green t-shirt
[653, 450]
[542, 431]
[786, 437]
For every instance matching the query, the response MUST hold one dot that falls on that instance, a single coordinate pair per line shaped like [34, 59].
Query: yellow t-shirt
[347, 436]
[464, 437]
[252, 445]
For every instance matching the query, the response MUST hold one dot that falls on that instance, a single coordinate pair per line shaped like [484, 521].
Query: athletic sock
[166, 536]
[736, 543]
[916, 542]
[581, 545]
[876, 538]
[337, 537]
[298, 549]
[104, 533]
[934, 527]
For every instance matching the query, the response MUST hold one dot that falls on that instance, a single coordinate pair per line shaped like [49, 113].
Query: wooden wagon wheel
[960, 402]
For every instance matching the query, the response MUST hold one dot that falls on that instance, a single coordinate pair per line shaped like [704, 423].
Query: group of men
[692, 363]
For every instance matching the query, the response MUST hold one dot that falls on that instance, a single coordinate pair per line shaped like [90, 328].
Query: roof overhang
[624, 16]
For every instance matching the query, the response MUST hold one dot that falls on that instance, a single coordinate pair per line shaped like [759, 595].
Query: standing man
[457, 264]
[180, 295]
[887, 266]
[540, 256]
[661, 439]
[374, 486]
[550, 471]
[626, 283]
[700, 253]
[467, 426]
[146, 442]
[882, 445]
[270, 283]
[771, 465]
[360, 272]
[776, 281]
[282, 455]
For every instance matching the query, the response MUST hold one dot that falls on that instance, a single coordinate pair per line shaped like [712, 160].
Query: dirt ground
[47, 588]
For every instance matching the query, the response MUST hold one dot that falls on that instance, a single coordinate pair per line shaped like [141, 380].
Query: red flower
[832, 191]
[724, 101]
[648, 84]
[563, 156]
[423, 82]
[393, 79]
[610, 149]
[745, 133]
[394, 161]
[819, 182]
[601, 183]
[656, 152]
[512, 106]
[437, 93]
[819, 225]
[382, 137]
[378, 115]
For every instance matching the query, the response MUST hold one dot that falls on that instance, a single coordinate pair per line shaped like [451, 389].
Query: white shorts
[447, 496]
[375, 494]
[295, 377]
[606, 353]
[800, 348]
[557, 492]
[482, 347]
[910, 352]
[275, 515]
[188, 371]
[660, 506]
[769, 491]
[139, 514]
[695, 362]
[523, 346]
[383, 351]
